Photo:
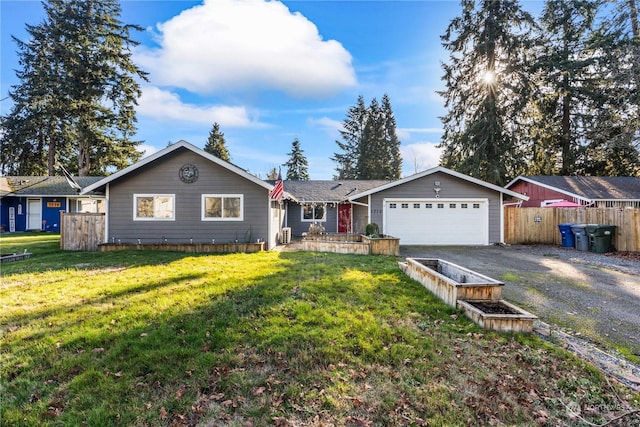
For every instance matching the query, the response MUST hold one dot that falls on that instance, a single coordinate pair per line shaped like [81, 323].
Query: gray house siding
[450, 187]
[161, 177]
[294, 219]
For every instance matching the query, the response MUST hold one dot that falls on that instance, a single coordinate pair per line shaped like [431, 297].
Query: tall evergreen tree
[352, 134]
[75, 103]
[614, 138]
[216, 144]
[486, 89]
[569, 94]
[297, 165]
[371, 148]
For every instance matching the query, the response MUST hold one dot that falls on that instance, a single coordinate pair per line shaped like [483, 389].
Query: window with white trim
[404, 205]
[222, 207]
[154, 207]
[416, 205]
[392, 205]
[313, 212]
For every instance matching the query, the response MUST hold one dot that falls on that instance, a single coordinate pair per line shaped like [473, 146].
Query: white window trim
[135, 207]
[222, 196]
[302, 219]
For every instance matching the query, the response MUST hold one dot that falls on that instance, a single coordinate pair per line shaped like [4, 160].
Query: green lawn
[298, 338]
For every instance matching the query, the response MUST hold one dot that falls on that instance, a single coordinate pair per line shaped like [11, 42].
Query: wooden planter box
[339, 247]
[14, 257]
[352, 244]
[186, 247]
[513, 319]
[476, 294]
[384, 245]
[450, 282]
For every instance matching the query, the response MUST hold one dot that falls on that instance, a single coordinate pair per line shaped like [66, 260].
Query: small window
[416, 205]
[452, 205]
[405, 205]
[428, 205]
[311, 213]
[392, 205]
[153, 207]
[476, 206]
[222, 207]
[440, 205]
[464, 205]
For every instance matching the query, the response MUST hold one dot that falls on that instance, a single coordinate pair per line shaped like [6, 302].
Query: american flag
[278, 188]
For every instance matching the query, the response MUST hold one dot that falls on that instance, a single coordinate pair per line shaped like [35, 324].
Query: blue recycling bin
[568, 240]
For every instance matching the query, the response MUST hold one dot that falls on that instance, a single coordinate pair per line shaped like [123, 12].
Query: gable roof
[43, 186]
[170, 149]
[327, 191]
[588, 188]
[445, 171]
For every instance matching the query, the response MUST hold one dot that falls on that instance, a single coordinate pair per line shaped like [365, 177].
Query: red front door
[344, 218]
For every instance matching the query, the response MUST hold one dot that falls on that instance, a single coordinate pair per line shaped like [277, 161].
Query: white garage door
[437, 221]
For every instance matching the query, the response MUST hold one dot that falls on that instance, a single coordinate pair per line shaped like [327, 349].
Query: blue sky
[270, 72]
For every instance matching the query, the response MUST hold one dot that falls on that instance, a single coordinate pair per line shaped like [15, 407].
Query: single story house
[34, 202]
[326, 203]
[595, 191]
[182, 194]
[438, 207]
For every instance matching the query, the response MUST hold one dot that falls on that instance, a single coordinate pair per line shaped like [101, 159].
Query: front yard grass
[296, 338]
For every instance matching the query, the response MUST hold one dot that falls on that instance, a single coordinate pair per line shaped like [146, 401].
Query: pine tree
[352, 134]
[614, 139]
[216, 144]
[393, 167]
[569, 93]
[486, 89]
[371, 148]
[297, 165]
[75, 103]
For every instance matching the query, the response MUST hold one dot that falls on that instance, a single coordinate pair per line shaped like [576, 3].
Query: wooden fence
[81, 231]
[540, 225]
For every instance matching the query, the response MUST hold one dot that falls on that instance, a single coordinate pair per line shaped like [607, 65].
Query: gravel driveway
[588, 294]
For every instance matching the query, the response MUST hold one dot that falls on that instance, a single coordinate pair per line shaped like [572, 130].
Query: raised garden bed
[14, 257]
[186, 247]
[451, 282]
[475, 294]
[498, 315]
[352, 244]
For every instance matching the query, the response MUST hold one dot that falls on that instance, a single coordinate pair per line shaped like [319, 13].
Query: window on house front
[222, 207]
[392, 205]
[312, 212]
[404, 205]
[153, 207]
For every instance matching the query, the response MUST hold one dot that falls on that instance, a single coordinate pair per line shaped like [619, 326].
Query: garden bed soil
[492, 307]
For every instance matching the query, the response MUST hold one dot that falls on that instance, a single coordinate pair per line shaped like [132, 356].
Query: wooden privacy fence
[81, 231]
[540, 225]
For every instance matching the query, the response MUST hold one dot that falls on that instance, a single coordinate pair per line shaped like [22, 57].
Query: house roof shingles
[327, 191]
[593, 187]
[42, 185]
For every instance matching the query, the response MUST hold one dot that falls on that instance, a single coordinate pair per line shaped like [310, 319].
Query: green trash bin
[600, 237]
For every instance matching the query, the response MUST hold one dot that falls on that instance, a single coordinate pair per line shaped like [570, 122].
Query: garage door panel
[428, 222]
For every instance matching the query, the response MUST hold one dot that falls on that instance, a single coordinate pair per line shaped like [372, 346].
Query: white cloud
[165, 105]
[420, 156]
[229, 44]
[147, 150]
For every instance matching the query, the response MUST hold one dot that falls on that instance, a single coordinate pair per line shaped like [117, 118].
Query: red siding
[536, 193]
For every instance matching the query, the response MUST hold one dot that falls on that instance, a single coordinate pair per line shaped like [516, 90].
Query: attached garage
[437, 221]
[438, 207]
